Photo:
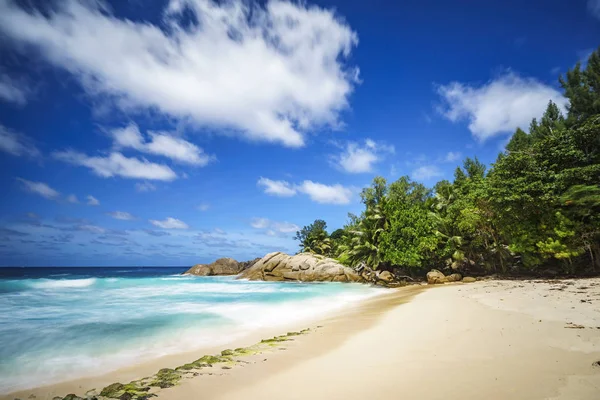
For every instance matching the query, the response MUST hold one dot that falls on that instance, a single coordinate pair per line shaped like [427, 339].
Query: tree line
[536, 209]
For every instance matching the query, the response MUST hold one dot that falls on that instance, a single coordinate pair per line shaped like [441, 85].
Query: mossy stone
[276, 339]
[72, 396]
[187, 367]
[210, 360]
[112, 390]
[165, 378]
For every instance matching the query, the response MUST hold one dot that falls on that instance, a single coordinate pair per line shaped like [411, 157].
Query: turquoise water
[62, 324]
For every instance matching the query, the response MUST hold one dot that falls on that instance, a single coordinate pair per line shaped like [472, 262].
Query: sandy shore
[487, 340]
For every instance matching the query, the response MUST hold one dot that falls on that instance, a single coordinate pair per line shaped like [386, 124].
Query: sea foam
[62, 329]
[61, 283]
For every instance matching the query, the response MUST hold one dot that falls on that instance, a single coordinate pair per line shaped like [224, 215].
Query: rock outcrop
[453, 277]
[304, 267]
[385, 276]
[436, 277]
[223, 266]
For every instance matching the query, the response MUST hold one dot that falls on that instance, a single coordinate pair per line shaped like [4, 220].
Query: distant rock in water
[223, 266]
[304, 267]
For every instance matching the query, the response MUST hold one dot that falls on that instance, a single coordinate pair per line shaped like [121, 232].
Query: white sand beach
[488, 340]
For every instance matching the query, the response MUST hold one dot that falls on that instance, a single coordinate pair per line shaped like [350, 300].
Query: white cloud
[274, 228]
[266, 72]
[277, 188]
[284, 227]
[16, 144]
[90, 228]
[13, 91]
[259, 223]
[39, 188]
[169, 223]
[122, 215]
[500, 106]
[162, 144]
[452, 156]
[203, 206]
[116, 164]
[359, 159]
[318, 192]
[145, 187]
[426, 172]
[326, 194]
[92, 201]
[594, 7]
[370, 143]
[72, 199]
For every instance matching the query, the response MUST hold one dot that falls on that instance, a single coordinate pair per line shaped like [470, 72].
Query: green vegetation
[165, 378]
[133, 390]
[537, 209]
[314, 238]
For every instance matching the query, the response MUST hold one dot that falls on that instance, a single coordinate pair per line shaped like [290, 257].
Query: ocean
[58, 324]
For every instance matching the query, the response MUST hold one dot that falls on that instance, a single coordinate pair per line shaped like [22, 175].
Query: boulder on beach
[469, 279]
[304, 267]
[223, 266]
[385, 276]
[453, 277]
[436, 277]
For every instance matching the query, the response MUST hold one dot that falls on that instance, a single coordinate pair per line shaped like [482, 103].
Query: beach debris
[571, 325]
[596, 364]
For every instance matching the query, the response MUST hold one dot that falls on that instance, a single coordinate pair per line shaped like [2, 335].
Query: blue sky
[175, 132]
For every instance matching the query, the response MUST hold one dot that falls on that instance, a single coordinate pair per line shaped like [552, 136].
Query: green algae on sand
[167, 377]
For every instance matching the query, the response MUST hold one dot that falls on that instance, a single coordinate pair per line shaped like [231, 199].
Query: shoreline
[130, 373]
[522, 342]
[530, 339]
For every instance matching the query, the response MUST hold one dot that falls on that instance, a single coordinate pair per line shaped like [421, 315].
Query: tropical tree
[410, 238]
[314, 238]
[363, 248]
[536, 208]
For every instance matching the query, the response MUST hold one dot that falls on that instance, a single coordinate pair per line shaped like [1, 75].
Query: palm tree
[318, 243]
